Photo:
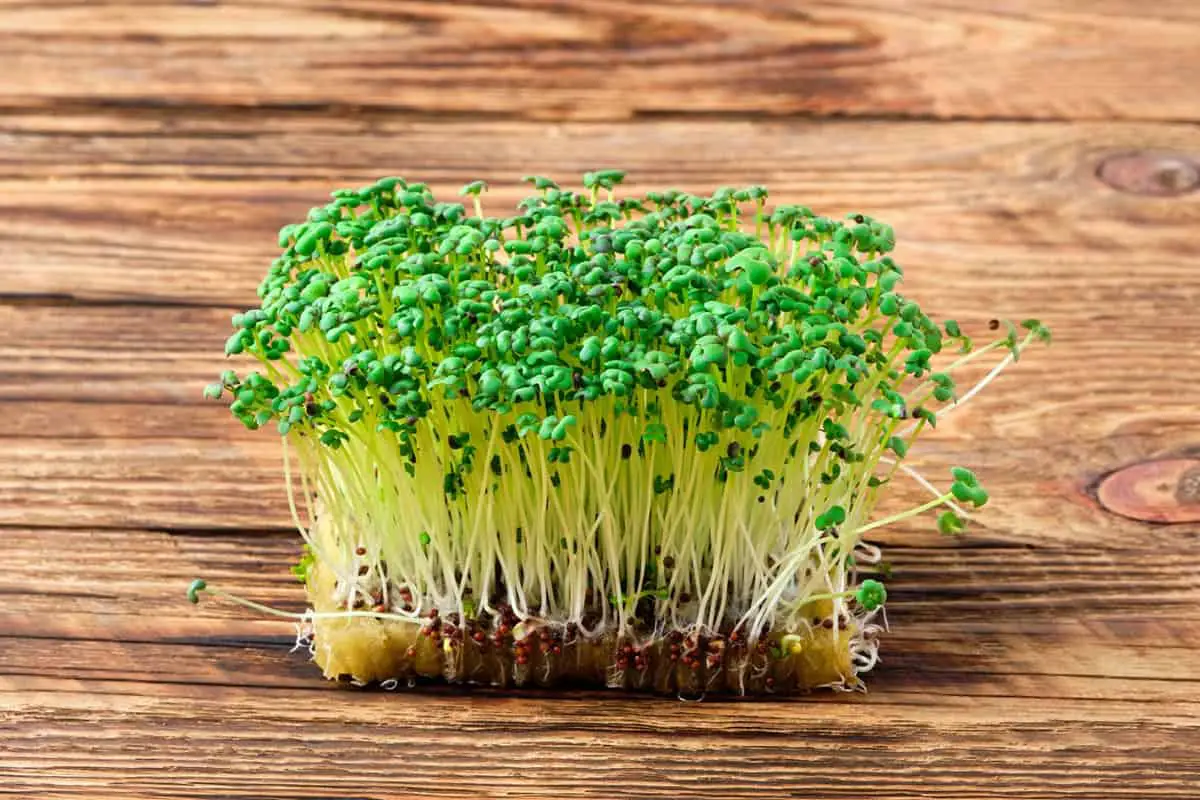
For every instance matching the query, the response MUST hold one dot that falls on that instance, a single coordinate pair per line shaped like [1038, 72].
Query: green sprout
[660, 415]
[193, 592]
[871, 594]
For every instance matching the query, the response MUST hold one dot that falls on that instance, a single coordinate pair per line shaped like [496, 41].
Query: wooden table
[1036, 159]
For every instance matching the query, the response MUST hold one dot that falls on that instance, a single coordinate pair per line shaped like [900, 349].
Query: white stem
[976, 389]
[275, 612]
[291, 491]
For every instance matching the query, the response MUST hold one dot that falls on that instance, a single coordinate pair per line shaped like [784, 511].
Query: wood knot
[1150, 174]
[1187, 491]
[1154, 491]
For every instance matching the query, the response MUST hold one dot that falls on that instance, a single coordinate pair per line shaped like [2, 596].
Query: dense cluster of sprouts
[624, 416]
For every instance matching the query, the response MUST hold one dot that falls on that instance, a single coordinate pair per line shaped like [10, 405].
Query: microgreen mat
[629, 416]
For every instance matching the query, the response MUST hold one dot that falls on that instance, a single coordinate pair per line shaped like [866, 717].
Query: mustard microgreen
[541, 411]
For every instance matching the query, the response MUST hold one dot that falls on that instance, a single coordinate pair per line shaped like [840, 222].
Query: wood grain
[115, 428]
[1036, 159]
[1049, 59]
[175, 209]
[104, 654]
[1053, 588]
[236, 483]
[165, 355]
[284, 743]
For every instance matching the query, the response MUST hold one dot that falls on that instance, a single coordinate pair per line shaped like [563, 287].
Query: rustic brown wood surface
[1036, 158]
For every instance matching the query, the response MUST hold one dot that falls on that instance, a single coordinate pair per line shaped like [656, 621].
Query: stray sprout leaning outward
[633, 441]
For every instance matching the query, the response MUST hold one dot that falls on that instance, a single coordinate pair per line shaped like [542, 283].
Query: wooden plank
[1050, 59]
[484, 710]
[62, 581]
[1107, 377]
[1041, 490]
[197, 468]
[165, 208]
[65, 353]
[833, 155]
[117, 430]
[1067, 660]
[1080, 624]
[189, 741]
[945, 661]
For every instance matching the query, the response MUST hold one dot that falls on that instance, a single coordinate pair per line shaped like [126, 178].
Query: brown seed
[827, 623]
[360, 551]
[363, 570]
[380, 607]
